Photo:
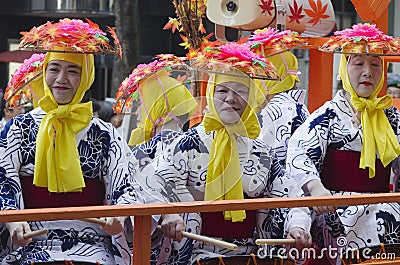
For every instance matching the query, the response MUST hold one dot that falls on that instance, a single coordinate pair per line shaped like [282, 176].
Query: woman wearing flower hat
[285, 110]
[164, 106]
[59, 155]
[348, 145]
[23, 87]
[221, 159]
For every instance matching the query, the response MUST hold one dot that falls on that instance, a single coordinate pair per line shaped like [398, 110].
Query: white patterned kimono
[103, 156]
[334, 126]
[182, 170]
[143, 155]
[284, 113]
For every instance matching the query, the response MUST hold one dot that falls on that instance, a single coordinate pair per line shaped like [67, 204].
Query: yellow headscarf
[37, 90]
[287, 68]
[224, 180]
[57, 164]
[162, 98]
[377, 132]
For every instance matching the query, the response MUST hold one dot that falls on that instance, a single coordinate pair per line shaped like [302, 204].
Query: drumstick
[275, 241]
[208, 240]
[35, 233]
[97, 221]
[184, 233]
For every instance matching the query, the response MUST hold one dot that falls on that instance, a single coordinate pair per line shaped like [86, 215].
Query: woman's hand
[114, 225]
[302, 237]
[172, 226]
[316, 188]
[17, 231]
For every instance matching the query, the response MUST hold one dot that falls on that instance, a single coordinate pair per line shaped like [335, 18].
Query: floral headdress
[270, 41]
[128, 90]
[222, 58]
[18, 91]
[362, 39]
[73, 35]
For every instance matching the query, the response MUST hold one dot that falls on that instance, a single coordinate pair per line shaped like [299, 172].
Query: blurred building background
[21, 15]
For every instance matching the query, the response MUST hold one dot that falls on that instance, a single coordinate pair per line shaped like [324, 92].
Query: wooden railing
[142, 212]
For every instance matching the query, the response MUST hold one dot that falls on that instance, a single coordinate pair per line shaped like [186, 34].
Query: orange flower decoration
[223, 57]
[18, 92]
[128, 90]
[362, 39]
[72, 34]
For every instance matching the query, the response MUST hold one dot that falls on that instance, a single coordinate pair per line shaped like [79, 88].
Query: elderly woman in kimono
[221, 159]
[164, 106]
[59, 155]
[347, 146]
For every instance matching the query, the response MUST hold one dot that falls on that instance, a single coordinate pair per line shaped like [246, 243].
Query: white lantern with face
[311, 20]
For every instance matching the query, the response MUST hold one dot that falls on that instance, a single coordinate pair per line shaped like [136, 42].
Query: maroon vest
[40, 197]
[215, 225]
[341, 172]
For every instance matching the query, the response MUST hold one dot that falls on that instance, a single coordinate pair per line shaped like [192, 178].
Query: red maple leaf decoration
[317, 11]
[295, 13]
[267, 6]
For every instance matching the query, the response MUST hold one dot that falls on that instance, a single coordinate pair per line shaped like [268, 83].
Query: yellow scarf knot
[369, 105]
[63, 111]
[63, 171]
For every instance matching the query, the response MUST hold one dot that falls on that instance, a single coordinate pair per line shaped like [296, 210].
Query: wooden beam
[382, 23]
[69, 213]
[142, 240]
[370, 10]
[320, 79]
[143, 212]
[315, 43]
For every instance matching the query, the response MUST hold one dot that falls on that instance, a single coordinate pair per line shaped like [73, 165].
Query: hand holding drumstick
[172, 225]
[296, 236]
[21, 233]
[208, 240]
[111, 225]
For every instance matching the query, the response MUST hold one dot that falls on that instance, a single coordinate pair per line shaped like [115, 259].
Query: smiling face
[230, 101]
[364, 73]
[63, 78]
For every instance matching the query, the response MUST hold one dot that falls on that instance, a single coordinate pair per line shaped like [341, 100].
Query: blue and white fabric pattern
[103, 156]
[284, 113]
